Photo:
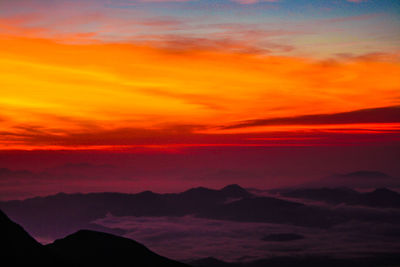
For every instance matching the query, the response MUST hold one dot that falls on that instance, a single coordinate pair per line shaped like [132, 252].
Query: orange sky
[57, 86]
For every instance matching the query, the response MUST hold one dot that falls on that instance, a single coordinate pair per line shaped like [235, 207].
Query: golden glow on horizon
[57, 88]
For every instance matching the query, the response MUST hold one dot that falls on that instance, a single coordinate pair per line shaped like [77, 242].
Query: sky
[180, 82]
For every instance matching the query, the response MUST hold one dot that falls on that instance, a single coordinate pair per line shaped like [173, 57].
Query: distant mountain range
[62, 214]
[59, 215]
[83, 248]
[67, 213]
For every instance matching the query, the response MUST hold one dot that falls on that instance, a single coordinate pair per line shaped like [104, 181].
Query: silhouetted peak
[367, 174]
[13, 234]
[235, 190]
[90, 235]
[233, 187]
[18, 248]
[92, 248]
[94, 239]
[383, 191]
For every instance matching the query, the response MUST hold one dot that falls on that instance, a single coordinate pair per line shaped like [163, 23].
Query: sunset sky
[168, 76]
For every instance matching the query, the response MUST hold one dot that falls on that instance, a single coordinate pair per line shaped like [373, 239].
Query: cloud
[375, 115]
[180, 138]
[190, 238]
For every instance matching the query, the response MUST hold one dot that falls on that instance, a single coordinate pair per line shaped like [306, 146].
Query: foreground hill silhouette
[83, 248]
[91, 248]
[18, 248]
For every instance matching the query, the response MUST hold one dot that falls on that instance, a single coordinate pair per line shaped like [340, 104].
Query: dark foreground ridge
[18, 248]
[91, 248]
[83, 248]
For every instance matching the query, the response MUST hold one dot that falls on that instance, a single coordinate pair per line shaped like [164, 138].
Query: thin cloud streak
[375, 115]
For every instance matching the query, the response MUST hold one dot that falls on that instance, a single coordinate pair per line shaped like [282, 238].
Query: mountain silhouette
[63, 214]
[381, 197]
[83, 248]
[42, 216]
[91, 248]
[235, 191]
[18, 248]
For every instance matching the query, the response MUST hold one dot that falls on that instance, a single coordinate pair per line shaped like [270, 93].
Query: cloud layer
[190, 238]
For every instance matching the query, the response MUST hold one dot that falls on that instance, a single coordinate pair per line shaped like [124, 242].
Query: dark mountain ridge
[83, 248]
[91, 248]
[62, 214]
[67, 213]
[18, 248]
